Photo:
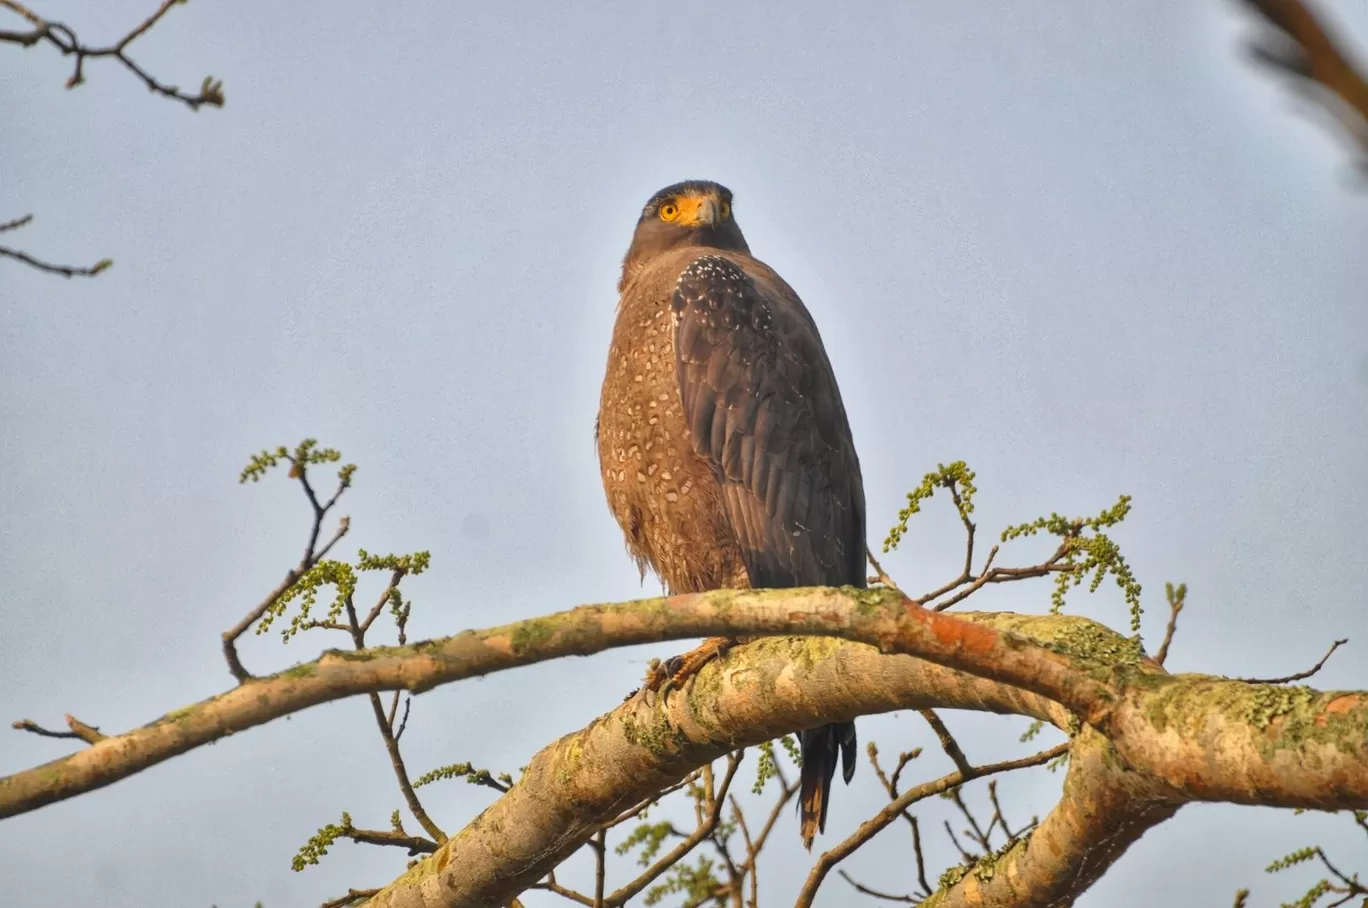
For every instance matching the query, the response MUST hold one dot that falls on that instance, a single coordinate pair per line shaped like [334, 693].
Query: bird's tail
[820, 749]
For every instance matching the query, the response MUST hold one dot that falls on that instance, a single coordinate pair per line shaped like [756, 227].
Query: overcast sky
[1085, 247]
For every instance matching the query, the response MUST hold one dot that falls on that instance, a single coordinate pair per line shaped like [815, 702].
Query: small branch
[352, 896]
[752, 852]
[880, 575]
[600, 848]
[880, 821]
[312, 555]
[947, 742]
[1054, 565]
[383, 722]
[921, 861]
[680, 851]
[79, 730]
[64, 39]
[654, 799]
[1299, 676]
[954, 840]
[865, 890]
[63, 270]
[1176, 601]
[550, 885]
[974, 829]
[415, 844]
[16, 223]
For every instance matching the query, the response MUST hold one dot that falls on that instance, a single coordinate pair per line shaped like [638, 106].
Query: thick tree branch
[1267, 735]
[757, 693]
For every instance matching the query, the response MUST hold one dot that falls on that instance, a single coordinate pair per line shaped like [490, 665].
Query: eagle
[723, 442]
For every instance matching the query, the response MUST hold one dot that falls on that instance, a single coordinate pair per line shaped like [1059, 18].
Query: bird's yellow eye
[669, 211]
[726, 209]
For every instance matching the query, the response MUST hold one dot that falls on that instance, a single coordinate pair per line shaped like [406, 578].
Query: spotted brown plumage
[723, 442]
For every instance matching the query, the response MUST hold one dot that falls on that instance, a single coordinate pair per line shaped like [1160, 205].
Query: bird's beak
[698, 211]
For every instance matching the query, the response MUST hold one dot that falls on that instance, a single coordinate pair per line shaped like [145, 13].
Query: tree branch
[1297, 43]
[64, 39]
[63, 270]
[1178, 738]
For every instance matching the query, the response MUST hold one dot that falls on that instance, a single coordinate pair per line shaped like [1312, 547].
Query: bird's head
[692, 213]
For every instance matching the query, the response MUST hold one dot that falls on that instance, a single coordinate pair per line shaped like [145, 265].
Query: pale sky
[1087, 248]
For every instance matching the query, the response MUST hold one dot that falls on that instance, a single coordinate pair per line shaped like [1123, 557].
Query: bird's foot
[663, 677]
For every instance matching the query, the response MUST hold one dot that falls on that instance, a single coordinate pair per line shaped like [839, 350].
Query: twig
[740, 817]
[1175, 601]
[415, 844]
[654, 799]
[385, 723]
[880, 821]
[678, 853]
[880, 575]
[403, 723]
[63, 270]
[947, 741]
[999, 575]
[1300, 45]
[64, 39]
[79, 730]
[964, 853]
[312, 555]
[1299, 676]
[550, 885]
[353, 895]
[876, 893]
[600, 848]
[974, 829]
[921, 861]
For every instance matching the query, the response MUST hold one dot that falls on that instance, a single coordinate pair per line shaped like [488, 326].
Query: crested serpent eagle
[724, 445]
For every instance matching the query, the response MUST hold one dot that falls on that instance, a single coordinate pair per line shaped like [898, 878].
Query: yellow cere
[684, 209]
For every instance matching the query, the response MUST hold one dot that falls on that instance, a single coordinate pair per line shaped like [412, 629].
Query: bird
[724, 445]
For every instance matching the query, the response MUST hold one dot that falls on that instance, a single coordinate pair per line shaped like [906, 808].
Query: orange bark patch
[956, 632]
[1339, 706]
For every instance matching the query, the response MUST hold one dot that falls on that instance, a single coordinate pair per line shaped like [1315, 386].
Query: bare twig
[968, 856]
[876, 893]
[415, 844]
[678, 853]
[1176, 596]
[879, 821]
[654, 799]
[921, 861]
[947, 741]
[600, 849]
[352, 896]
[880, 575]
[739, 816]
[550, 885]
[63, 270]
[78, 730]
[64, 39]
[1299, 676]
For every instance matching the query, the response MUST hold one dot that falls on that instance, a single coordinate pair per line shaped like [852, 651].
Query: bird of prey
[724, 445]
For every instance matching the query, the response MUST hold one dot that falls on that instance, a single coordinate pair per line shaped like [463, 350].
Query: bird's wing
[763, 408]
